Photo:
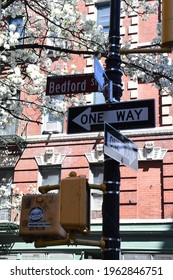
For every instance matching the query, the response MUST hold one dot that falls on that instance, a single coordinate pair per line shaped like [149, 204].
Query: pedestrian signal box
[75, 204]
[40, 218]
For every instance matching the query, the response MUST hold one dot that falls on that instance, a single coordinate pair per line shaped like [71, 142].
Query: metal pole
[110, 209]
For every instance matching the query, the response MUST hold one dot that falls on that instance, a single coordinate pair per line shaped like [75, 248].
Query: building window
[6, 179]
[99, 98]
[103, 19]
[19, 24]
[52, 124]
[96, 173]
[103, 15]
[9, 129]
[49, 167]
[53, 121]
[49, 175]
[96, 195]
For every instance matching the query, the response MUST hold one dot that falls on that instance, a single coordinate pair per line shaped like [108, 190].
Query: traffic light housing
[40, 218]
[51, 216]
[75, 204]
[167, 23]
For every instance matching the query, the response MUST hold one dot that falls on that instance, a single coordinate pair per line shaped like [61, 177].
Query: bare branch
[58, 49]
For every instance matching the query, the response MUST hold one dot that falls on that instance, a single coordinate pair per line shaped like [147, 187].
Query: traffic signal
[75, 204]
[167, 23]
[40, 218]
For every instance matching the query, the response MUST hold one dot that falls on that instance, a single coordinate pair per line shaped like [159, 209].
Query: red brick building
[47, 154]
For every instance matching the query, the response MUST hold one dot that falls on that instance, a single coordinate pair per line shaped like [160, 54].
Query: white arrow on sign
[120, 148]
[87, 118]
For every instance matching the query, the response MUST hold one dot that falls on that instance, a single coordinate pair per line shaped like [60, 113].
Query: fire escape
[11, 149]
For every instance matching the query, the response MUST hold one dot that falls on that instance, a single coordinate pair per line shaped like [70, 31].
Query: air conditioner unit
[55, 127]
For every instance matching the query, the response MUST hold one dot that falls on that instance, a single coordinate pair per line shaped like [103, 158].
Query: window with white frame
[103, 19]
[6, 180]
[53, 120]
[103, 15]
[49, 175]
[18, 22]
[99, 98]
[9, 129]
[96, 171]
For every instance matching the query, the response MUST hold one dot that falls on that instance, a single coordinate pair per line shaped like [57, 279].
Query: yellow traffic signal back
[75, 203]
[40, 218]
[167, 23]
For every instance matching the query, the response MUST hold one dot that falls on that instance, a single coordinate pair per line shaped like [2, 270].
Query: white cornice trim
[157, 131]
[63, 137]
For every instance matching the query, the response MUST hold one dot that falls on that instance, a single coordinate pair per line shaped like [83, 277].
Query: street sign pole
[110, 208]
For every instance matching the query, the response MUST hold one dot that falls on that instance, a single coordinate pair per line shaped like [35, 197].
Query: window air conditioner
[55, 127]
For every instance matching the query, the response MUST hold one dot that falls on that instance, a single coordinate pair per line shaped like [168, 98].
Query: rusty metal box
[40, 218]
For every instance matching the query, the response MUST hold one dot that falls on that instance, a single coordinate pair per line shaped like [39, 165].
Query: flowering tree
[10, 200]
[24, 51]
[58, 26]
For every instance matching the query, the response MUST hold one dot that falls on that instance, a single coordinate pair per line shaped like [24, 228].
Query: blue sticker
[36, 214]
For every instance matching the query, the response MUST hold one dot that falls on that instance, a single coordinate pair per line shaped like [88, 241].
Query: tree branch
[48, 47]
[24, 118]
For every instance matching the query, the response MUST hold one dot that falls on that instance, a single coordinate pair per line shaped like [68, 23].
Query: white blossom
[12, 27]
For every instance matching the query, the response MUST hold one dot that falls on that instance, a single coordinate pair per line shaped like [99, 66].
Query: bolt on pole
[110, 208]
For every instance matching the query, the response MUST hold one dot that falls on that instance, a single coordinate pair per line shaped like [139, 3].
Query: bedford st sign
[121, 115]
[71, 84]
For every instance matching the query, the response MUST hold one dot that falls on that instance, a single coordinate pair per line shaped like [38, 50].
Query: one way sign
[121, 115]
